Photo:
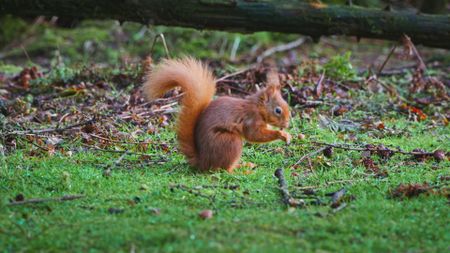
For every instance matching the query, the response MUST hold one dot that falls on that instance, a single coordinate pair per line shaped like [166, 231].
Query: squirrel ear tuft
[262, 98]
[266, 94]
[273, 79]
[270, 90]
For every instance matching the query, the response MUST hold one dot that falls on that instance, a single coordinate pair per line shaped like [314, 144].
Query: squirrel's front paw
[286, 137]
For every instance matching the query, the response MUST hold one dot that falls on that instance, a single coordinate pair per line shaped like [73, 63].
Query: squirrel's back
[199, 87]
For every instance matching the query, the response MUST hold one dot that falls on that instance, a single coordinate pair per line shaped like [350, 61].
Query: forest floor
[87, 165]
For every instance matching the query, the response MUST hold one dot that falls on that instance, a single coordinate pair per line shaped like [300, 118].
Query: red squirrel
[211, 132]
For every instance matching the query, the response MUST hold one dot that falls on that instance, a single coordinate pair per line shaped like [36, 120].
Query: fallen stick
[372, 148]
[117, 151]
[39, 200]
[375, 149]
[308, 155]
[160, 101]
[286, 196]
[37, 145]
[226, 84]
[49, 130]
[386, 60]
[193, 191]
[308, 187]
[336, 197]
[236, 73]
[108, 170]
[319, 87]
[283, 186]
[199, 187]
[280, 48]
[339, 208]
[408, 43]
[161, 35]
[119, 142]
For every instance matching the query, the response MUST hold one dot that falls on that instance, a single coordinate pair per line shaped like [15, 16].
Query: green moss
[109, 42]
[340, 67]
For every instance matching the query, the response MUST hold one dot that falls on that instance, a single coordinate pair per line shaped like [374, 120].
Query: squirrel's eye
[278, 110]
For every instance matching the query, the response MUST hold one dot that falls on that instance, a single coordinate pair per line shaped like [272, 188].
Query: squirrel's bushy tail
[199, 87]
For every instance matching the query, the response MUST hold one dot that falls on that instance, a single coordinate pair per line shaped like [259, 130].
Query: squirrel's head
[275, 110]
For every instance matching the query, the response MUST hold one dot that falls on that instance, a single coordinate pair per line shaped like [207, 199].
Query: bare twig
[386, 60]
[392, 90]
[37, 145]
[286, 196]
[49, 130]
[280, 48]
[337, 197]
[231, 87]
[308, 155]
[26, 53]
[193, 191]
[164, 44]
[319, 86]
[108, 170]
[39, 200]
[169, 99]
[375, 149]
[160, 100]
[199, 187]
[236, 73]
[311, 103]
[308, 187]
[339, 208]
[408, 41]
[397, 71]
[117, 151]
[119, 142]
[128, 115]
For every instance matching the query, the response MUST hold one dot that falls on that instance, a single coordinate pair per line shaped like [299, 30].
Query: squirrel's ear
[267, 94]
[270, 90]
[273, 79]
[263, 96]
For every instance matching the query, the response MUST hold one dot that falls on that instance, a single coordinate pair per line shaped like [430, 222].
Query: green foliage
[9, 69]
[340, 67]
[111, 43]
[61, 74]
[10, 28]
[57, 75]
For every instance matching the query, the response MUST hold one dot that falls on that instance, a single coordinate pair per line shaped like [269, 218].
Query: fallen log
[308, 17]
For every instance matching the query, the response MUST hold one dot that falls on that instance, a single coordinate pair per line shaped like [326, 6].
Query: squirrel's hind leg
[223, 153]
[234, 165]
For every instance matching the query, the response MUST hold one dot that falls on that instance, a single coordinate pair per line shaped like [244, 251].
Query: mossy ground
[251, 218]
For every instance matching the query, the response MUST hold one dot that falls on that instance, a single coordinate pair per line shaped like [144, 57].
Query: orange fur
[199, 87]
[211, 133]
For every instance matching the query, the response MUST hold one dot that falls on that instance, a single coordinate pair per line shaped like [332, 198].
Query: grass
[250, 219]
